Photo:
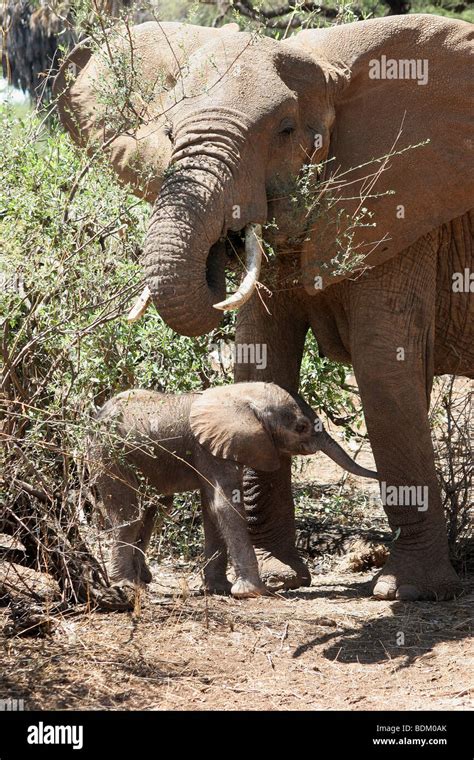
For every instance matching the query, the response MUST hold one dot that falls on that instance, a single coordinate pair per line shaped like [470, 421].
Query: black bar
[431, 734]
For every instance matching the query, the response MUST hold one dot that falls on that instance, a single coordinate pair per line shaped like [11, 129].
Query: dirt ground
[326, 647]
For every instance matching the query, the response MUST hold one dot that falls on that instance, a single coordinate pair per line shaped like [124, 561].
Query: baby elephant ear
[224, 421]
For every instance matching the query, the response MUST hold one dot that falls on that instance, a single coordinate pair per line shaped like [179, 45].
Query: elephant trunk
[184, 265]
[184, 254]
[335, 452]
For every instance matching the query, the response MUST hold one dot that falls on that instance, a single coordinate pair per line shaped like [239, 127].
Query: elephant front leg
[215, 551]
[269, 348]
[271, 523]
[392, 328]
[229, 520]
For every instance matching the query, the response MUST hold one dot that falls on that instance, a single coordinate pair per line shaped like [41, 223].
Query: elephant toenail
[384, 590]
[407, 593]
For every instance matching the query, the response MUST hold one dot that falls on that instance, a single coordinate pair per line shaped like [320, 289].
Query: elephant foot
[220, 587]
[416, 578]
[243, 589]
[287, 571]
[119, 597]
[145, 573]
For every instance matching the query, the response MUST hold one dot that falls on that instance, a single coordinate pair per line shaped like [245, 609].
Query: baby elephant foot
[243, 589]
[140, 570]
[145, 573]
[117, 597]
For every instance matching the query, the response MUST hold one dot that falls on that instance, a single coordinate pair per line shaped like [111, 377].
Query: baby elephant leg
[132, 525]
[215, 552]
[229, 516]
[148, 525]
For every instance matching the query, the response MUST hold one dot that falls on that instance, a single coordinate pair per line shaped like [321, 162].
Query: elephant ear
[112, 99]
[396, 83]
[225, 421]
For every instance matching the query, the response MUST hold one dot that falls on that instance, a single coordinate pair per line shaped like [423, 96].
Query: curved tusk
[253, 251]
[140, 306]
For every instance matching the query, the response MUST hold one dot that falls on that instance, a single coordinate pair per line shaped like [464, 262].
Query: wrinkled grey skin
[172, 442]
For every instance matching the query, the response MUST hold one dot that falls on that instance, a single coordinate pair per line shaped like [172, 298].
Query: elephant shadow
[406, 631]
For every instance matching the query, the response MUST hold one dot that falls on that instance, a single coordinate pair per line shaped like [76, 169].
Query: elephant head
[230, 119]
[254, 423]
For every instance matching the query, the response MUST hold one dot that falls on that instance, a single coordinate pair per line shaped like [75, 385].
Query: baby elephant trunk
[335, 452]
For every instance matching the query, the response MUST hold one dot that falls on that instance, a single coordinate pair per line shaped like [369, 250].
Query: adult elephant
[368, 259]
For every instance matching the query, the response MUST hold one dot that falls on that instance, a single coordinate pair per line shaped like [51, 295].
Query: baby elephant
[199, 441]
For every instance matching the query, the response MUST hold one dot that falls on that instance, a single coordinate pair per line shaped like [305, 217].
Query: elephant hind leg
[132, 524]
[148, 524]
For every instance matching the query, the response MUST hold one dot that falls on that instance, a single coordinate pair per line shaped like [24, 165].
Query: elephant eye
[302, 427]
[286, 127]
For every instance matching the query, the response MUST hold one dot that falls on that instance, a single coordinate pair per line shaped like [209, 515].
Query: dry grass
[326, 647]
